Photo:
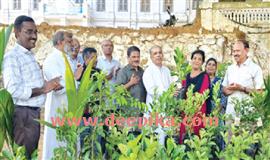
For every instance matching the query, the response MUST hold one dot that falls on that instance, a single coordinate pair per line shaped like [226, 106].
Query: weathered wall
[188, 38]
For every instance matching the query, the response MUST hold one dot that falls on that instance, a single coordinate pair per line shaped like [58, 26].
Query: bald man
[241, 78]
[107, 63]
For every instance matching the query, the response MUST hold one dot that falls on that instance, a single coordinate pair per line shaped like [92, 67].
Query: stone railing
[252, 17]
[226, 16]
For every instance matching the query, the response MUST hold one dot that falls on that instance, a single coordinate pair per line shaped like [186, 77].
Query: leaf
[2, 46]
[7, 154]
[134, 142]
[4, 37]
[6, 116]
[123, 148]
[98, 146]
[170, 146]
[2, 137]
[85, 84]
[46, 123]
[70, 87]
[7, 34]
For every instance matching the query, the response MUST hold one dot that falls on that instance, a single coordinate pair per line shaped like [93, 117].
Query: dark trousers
[26, 130]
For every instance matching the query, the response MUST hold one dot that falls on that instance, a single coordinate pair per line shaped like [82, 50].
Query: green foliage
[175, 151]
[237, 142]
[4, 37]
[194, 101]
[6, 103]
[264, 151]
[200, 147]
[255, 110]
[6, 116]
[139, 148]
[18, 153]
[221, 70]
[182, 65]
[114, 138]
[70, 87]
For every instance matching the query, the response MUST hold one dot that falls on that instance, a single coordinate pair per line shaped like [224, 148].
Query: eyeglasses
[30, 32]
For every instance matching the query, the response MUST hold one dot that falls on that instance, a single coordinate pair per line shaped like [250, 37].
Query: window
[100, 5]
[195, 4]
[145, 5]
[168, 4]
[35, 4]
[123, 6]
[17, 4]
[79, 1]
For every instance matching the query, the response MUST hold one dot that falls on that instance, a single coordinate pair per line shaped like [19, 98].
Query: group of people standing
[31, 86]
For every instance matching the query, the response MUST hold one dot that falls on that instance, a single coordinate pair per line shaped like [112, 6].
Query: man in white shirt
[156, 76]
[23, 79]
[75, 49]
[241, 78]
[156, 79]
[54, 66]
[107, 63]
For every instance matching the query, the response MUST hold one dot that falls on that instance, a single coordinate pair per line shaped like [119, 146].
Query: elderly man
[131, 75]
[54, 66]
[241, 78]
[156, 76]
[24, 81]
[156, 79]
[107, 63]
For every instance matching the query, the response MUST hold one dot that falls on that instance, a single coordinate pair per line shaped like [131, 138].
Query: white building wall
[111, 17]
[134, 18]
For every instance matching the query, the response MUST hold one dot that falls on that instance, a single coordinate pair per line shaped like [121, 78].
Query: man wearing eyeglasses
[23, 79]
[75, 49]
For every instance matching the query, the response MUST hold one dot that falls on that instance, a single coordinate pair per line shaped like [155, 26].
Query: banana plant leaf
[6, 103]
[2, 46]
[77, 99]
[6, 116]
[4, 37]
[84, 87]
[70, 87]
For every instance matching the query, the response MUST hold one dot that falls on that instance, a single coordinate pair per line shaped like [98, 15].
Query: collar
[21, 49]
[105, 59]
[130, 68]
[246, 63]
[157, 67]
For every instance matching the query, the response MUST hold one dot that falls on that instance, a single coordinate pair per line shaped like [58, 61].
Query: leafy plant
[4, 37]
[174, 151]
[139, 148]
[18, 153]
[221, 70]
[182, 65]
[237, 142]
[77, 100]
[6, 103]
[6, 114]
[200, 147]
[194, 101]
[264, 151]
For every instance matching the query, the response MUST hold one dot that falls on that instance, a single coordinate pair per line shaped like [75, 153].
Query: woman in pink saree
[201, 82]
